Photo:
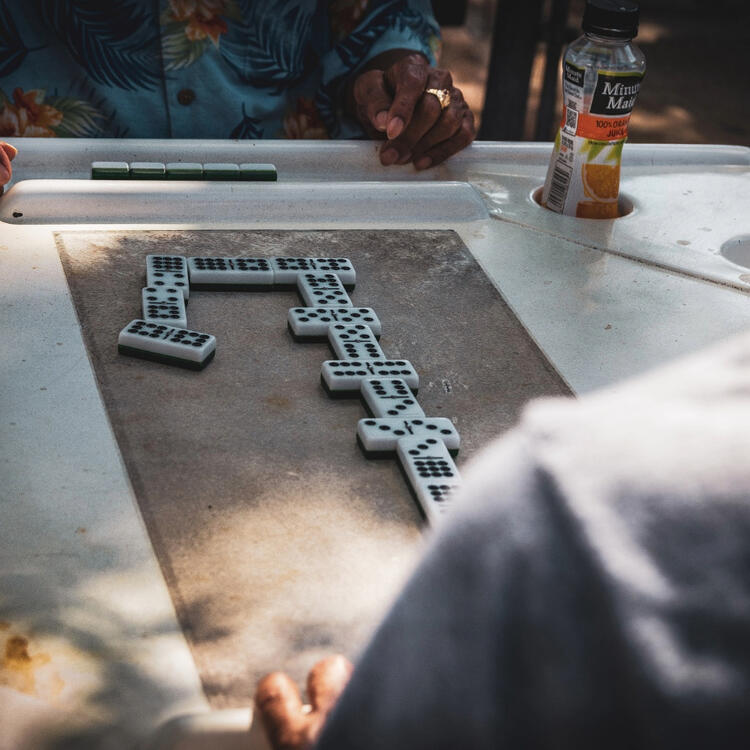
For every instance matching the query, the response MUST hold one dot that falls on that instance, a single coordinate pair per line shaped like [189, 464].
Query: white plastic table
[604, 300]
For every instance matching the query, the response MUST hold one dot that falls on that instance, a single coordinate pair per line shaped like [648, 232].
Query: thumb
[11, 151]
[6, 171]
[326, 682]
[278, 702]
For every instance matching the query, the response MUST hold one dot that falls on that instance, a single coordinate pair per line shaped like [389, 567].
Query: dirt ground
[696, 88]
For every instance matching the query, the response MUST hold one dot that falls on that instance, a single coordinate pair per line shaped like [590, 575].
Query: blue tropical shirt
[195, 68]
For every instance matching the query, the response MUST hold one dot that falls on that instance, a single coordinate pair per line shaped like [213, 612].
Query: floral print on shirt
[254, 68]
[187, 26]
[34, 114]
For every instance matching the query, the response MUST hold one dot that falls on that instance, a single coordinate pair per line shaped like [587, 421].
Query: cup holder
[737, 250]
[625, 205]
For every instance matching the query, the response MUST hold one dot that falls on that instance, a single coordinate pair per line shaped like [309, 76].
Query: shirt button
[185, 96]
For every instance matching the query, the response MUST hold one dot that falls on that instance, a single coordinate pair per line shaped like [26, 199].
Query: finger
[11, 151]
[439, 153]
[427, 112]
[372, 99]
[6, 171]
[406, 79]
[280, 707]
[399, 150]
[326, 682]
[448, 125]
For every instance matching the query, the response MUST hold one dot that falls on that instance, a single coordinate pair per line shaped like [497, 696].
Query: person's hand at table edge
[288, 724]
[392, 99]
[7, 154]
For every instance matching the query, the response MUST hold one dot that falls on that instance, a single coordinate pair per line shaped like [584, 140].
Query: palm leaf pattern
[12, 49]
[392, 14]
[269, 48]
[81, 119]
[248, 128]
[353, 50]
[115, 41]
[179, 51]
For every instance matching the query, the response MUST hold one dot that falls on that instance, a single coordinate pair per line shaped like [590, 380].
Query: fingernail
[405, 158]
[388, 157]
[14, 151]
[423, 163]
[395, 126]
[381, 120]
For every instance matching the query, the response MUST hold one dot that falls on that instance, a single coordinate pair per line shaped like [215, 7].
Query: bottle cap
[613, 18]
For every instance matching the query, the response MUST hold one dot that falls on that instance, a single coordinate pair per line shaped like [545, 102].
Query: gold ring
[443, 96]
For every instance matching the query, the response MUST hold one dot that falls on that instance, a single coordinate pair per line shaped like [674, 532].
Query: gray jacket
[592, 588]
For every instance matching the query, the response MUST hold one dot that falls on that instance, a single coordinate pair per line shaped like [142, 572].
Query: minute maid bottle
[602, 74]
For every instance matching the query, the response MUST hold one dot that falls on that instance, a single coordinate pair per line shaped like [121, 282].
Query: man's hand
[7, 154]
[393, 103]
[290, 725]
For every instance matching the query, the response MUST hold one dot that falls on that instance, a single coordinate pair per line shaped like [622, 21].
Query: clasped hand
[394, 103]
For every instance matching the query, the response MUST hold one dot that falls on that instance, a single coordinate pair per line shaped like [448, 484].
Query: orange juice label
[599, 128]
[584, 174]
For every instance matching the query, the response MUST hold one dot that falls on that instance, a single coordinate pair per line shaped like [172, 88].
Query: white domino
[164, 304]
[379, 436]
[322, 289]
[431, 473]
[342, 267]
[343, 378]
[313, 322]
[286, 270]
[162, 343]
[230, 273]
[390, 397]
[168, 270]
[355, 341]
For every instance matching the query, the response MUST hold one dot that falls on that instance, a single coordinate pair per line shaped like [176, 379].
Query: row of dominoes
[398, 425]
[162, 334]
[155, 170]
[424, 446]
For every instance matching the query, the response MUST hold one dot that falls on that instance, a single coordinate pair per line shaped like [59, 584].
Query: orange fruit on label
[601, 181]
[597, 210]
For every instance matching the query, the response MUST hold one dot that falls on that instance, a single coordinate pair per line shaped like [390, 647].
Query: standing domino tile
[431, 473]
[378, 437]
[164, 304]
[286, 270]
[167, 270]
[173, 346]
[263, 172]
[110, 170]
[354, 342]
[216, 171]
[324, 289]
[147, 170]
[312, 323]
[343, 378]
[253, 274]
[182, 170]
[389, 397]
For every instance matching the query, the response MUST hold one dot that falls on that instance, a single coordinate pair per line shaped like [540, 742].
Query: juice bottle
[602, 74]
